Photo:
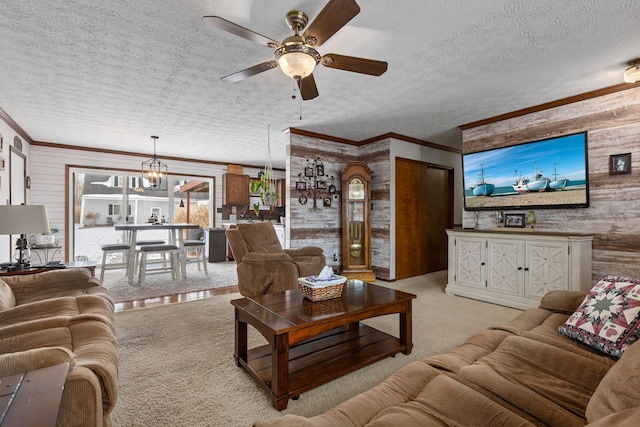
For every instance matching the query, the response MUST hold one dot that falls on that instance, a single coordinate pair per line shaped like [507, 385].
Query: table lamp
[23, 220]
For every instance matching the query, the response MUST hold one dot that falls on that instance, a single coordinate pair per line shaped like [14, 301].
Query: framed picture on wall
[620, 164]
[2, 163]
[1, 143]
[514, 220]
[301, 185]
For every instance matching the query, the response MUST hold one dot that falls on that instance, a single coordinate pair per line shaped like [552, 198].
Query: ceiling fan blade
[251, 71]
[334, 16]
[236, 29]
[353, 64]
[308, 87]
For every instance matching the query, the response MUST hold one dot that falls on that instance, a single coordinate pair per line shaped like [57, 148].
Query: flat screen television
[546, 174]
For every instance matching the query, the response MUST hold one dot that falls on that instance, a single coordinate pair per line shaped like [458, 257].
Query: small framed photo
[514, 220]
[301, 185]
[326, 202]
[332, 189]
[321, 185]
[308, 172]
[320, 169]
[302, 200]
[620, 164]
[1, 143]
[2, 163]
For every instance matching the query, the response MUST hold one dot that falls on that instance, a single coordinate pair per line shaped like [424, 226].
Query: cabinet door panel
[548, 269]
[505, 266]
[470, 266]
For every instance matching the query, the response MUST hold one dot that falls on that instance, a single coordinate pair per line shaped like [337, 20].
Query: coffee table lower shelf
[323, 358]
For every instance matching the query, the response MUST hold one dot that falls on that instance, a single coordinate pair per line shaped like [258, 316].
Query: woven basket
[321, 294]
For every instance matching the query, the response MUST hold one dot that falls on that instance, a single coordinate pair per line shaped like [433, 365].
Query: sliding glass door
[101, 199]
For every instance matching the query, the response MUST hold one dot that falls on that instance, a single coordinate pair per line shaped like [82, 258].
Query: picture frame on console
[620, 164]
[514, 220]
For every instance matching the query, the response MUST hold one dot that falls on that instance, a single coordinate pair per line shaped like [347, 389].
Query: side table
[48, 251]
[91, 265]
[32, 398]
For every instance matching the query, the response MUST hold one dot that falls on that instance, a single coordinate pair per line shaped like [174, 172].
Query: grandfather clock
[356, 222]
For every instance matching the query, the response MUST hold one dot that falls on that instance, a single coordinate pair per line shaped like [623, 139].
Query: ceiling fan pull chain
[300, 102]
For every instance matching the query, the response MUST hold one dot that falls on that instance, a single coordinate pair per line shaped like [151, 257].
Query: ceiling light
[153, 170]
[296, 58]
[632, 74]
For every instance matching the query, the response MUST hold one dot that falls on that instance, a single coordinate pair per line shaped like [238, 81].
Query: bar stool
[146, 250]
[114, 248]
[141, 243]
[196, 246]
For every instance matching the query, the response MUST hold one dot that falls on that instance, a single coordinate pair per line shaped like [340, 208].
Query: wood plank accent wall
[612, 122]
[324, 228]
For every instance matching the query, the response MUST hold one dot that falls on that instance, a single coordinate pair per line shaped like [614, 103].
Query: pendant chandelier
[153, 171]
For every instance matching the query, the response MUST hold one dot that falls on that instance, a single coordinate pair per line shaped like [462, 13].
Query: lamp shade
[23, 219]
[296, 58]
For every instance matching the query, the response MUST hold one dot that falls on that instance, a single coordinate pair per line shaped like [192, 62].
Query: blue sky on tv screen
[504, 165]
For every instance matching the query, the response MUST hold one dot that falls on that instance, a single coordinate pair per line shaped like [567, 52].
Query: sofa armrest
[37, 358]
[48, 283]
[259, 258]
[305, 251]
[562, 301]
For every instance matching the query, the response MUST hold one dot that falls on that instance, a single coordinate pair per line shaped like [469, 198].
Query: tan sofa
[263, 266]
[56, 317]
[523, 373]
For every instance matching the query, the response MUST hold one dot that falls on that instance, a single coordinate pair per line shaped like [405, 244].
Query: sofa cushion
[609, 317]
[7, 299]
[619, 390]
[550, 384]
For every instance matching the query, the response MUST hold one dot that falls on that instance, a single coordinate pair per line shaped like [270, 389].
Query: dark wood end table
[312, 343]
[32, 398]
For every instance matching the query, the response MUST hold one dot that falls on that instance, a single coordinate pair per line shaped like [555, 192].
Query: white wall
[48, 169]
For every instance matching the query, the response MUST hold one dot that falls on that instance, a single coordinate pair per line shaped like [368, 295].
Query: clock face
[356, 190]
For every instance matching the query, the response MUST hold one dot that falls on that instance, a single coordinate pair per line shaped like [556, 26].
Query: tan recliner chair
[263, 266]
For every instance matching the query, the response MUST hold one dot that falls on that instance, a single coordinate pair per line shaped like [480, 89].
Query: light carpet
[177, 368]
[220, 275]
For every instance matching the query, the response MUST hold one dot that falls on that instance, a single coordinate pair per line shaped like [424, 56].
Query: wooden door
[424, 210]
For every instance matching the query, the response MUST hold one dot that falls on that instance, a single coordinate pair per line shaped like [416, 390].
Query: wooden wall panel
[612, 123]
[324, 228]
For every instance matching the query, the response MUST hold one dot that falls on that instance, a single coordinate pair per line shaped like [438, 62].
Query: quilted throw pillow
[609, 317]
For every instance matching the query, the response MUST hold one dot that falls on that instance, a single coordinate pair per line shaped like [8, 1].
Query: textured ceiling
[109, 74]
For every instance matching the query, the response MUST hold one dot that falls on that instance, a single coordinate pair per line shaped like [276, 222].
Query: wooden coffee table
[317, 342]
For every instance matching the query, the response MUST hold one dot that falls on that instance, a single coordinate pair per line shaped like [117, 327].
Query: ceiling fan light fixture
[297, 59]
[632, 74]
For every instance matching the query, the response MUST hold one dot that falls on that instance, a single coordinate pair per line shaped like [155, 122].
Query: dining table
[176, 237]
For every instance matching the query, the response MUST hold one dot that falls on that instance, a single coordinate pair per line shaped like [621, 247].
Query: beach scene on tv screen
[537, 174]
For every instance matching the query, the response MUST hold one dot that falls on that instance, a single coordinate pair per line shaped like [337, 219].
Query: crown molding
[15, 126]
[134, 154]
[553, 104]
[388, 135]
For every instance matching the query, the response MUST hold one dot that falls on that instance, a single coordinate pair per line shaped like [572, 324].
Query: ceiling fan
[296, 55]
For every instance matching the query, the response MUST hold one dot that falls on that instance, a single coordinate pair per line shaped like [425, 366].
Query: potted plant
[90, 219]
[266, 188]
[49, 238]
